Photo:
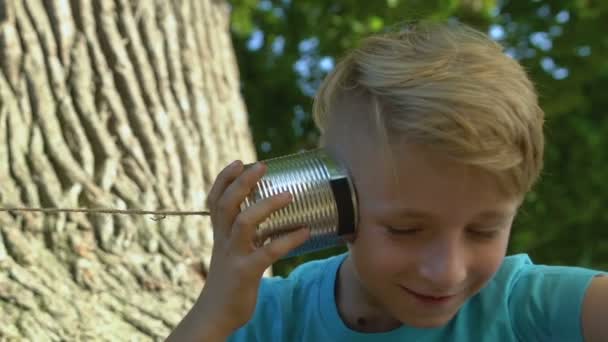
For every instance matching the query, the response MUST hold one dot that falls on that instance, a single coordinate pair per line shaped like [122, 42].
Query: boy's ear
[350, 238]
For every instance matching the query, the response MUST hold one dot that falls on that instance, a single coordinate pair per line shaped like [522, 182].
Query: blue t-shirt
[522, 302]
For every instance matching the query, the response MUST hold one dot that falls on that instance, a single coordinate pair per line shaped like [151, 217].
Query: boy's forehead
[416, 176]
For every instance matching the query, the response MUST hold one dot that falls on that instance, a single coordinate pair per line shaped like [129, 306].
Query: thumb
[269, 253]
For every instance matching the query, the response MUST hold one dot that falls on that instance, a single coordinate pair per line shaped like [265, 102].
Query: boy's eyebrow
[484, 215]
[414, 213]
[495, 214]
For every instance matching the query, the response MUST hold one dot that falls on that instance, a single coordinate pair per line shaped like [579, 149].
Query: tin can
[324, 200]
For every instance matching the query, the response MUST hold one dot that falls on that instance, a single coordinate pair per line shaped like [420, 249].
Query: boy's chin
[428, 322]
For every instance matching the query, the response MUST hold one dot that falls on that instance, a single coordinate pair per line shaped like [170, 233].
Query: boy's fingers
[245, 225]
[223, 180]
[228, 205]
[273, 251]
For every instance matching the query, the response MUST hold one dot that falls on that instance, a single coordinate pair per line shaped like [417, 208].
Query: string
[160, 214]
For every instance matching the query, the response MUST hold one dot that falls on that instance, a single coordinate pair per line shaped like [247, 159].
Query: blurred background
[286, 47]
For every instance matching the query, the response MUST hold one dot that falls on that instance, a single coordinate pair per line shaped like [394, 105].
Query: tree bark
[113, 104]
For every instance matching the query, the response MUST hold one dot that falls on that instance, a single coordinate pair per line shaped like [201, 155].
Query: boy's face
[428, 239]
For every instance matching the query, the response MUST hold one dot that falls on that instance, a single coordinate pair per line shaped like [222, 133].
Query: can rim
[338, 170]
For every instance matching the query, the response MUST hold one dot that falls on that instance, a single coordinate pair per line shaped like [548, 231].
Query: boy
[442, 136]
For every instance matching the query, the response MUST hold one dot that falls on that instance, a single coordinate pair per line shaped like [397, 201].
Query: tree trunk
[120, 104]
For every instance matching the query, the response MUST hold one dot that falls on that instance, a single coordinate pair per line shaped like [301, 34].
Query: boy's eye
[485, 234]
[402, 231]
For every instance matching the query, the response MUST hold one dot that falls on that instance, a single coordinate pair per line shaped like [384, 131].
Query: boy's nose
[444, 267]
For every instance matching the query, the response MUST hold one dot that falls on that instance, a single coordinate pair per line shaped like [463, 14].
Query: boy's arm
[595, 310]
[197, 326]
[229, 296]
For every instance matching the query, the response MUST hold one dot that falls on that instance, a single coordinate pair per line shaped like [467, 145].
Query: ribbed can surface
[317, 183]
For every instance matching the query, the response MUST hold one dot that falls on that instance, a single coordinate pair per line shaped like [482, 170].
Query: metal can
[324, 200]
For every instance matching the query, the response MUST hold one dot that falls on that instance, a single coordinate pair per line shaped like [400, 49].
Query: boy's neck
[356, 308]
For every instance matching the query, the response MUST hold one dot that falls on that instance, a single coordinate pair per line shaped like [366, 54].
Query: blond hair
[449, 87]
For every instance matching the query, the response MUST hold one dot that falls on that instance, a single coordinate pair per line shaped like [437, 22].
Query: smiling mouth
[429, 298]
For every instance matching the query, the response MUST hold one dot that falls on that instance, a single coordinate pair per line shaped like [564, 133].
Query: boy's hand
[229, 296]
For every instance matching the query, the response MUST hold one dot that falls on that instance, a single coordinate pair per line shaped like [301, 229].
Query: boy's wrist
[214, 325]
[201, 325]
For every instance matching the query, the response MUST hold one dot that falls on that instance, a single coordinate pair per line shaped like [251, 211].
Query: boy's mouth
[429, 299]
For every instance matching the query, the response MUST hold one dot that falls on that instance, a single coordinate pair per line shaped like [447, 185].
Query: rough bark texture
[121, 104]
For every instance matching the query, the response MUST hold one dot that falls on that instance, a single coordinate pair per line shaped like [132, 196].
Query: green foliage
[561, 44]
[564, 219]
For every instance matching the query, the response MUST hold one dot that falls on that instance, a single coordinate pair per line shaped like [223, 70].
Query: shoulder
[512, 266]
[543, 302]
[519, 270]
[283, 302]
[299, 288]
[302, 279]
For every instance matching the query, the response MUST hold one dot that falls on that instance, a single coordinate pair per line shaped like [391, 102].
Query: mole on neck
[361, 322]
